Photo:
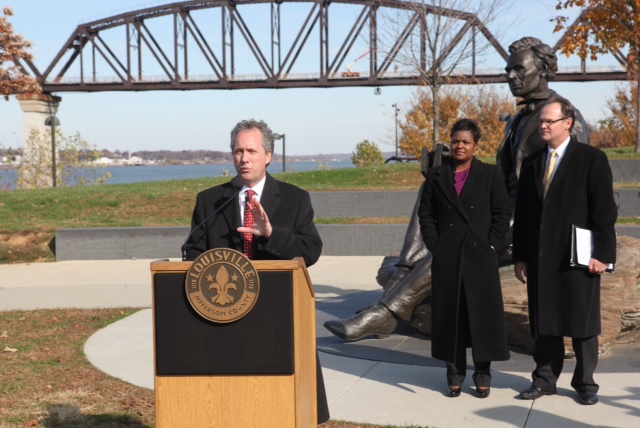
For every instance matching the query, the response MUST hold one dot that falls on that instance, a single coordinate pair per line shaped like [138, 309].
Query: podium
[259, 371]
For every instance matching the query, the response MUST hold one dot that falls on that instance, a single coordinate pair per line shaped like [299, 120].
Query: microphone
[237, 185]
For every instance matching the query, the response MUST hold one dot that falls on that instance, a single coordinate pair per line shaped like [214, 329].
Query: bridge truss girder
[114, 53]
[91, 54]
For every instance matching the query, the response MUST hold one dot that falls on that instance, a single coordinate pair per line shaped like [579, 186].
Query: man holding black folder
[562, 185]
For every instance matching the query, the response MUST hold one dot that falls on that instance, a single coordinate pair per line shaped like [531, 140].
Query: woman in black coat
[464, 217]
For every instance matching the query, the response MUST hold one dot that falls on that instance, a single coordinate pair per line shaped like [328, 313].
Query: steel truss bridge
[238, 44]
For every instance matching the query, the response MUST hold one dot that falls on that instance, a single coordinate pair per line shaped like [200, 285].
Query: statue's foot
[377, 321]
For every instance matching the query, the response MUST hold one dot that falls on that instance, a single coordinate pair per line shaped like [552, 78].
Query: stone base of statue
[620, 301]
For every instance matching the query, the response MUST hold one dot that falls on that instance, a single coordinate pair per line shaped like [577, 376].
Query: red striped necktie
[249, 221]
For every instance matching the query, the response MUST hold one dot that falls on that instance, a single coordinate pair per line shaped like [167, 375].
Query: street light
[396, 111]
[281, 137]
[53, 121]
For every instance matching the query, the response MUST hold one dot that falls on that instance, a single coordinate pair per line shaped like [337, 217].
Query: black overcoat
[564, 301]
[460, 233]
[288, 208]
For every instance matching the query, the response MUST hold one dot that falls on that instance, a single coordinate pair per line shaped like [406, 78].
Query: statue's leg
[411, 291]
[382, 318]
[412, 252]
[413, 248]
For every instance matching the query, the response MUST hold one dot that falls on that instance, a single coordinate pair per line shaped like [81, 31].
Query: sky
[314, 120]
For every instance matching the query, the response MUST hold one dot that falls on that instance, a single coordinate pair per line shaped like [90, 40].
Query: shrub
[367, 153]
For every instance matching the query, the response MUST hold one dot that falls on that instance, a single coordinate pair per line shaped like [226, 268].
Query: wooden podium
[259, 371]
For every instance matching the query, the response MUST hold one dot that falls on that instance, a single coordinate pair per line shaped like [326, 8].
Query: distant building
[133, 160]
[103, 161]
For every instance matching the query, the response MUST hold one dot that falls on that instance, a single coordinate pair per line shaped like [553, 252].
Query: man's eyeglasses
[550, 122]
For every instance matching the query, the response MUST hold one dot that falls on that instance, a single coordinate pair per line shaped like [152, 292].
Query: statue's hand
[520, 269]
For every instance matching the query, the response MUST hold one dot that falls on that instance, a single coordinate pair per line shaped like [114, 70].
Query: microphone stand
[237, 183]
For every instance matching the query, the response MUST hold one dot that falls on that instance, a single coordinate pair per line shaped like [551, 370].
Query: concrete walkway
[389, 381]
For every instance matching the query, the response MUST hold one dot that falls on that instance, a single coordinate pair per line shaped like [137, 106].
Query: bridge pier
[36, 169]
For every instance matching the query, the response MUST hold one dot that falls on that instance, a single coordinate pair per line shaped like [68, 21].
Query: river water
[137, 174]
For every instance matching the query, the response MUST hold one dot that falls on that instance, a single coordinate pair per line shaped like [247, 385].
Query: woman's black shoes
[483, 392]
[454, 392]
[480, 392]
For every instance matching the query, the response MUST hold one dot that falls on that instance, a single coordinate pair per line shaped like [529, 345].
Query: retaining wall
[339, 239]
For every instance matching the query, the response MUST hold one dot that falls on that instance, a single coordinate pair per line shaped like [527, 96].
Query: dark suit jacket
[459, 232]
[290, 213]
[564, 301]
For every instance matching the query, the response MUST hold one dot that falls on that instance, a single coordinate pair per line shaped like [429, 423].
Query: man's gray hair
[248, 125]
[544, 57]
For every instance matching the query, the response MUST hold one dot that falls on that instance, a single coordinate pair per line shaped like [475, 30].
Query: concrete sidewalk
[388, 381]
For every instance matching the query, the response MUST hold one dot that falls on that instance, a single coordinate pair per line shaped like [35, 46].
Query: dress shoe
[533, 393]
[588, 397]
[453, 393]
[483, 392]
[377, 321]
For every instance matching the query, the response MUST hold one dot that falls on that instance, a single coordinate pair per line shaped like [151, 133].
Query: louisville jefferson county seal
[222, 285]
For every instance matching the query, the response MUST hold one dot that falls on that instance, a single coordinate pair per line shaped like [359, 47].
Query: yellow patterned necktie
[549, 174]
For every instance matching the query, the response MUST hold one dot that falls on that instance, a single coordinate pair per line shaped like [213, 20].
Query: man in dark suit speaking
[256, 214]
[563, 184]
[283, 216]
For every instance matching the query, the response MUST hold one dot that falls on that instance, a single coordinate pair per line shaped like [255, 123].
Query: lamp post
[282, 137]
[53, 121]
[396, 110]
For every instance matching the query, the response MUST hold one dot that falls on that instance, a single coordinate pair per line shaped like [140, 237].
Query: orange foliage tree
[13, 47]
[417, 129]
[618, 129]
[483, 104]
[605, 26]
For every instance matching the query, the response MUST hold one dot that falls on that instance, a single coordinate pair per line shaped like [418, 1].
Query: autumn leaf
[605, 27]
[13, 49]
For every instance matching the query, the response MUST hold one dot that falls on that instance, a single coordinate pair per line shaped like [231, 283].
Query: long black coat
[459, 232]
[564, 301]
[288, 208]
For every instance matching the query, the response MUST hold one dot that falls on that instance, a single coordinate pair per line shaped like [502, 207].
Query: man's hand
[520, 269]
[262, 226]
[596, 266]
